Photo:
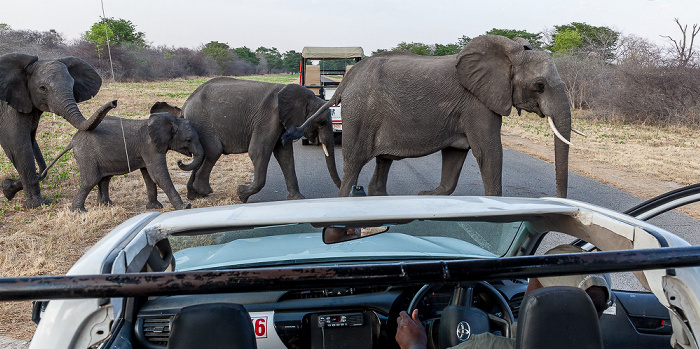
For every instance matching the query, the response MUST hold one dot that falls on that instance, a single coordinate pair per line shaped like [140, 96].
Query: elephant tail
[295, 132]
[46, 171]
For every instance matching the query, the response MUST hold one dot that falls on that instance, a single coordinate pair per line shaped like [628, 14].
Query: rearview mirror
[334, 234]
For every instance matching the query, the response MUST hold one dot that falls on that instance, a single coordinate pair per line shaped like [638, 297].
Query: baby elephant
[101, 154]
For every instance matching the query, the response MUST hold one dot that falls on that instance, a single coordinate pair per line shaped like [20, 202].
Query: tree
[378, 51]
[535, 39]
[414, 47]
[566, 41]
[246, 54]
[444, 50]
[463, 41]
[601, 41]
[219, 51]
[291, 61]
[118, 31]
[272, 57]
[684, 50]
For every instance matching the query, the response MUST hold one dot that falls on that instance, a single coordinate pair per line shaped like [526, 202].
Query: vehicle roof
[332, 52]
[358, 209]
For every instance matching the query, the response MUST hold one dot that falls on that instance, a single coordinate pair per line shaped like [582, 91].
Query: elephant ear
[484, 68]
[13, 81]
[163, 107]
[87, 81]
[161, 128]
[292, 104]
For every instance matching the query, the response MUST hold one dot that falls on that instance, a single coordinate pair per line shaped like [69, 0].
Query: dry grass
[644, 161]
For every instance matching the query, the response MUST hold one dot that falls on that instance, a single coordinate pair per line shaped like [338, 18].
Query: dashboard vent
[333, 292]
[514, 304]
[156, 330]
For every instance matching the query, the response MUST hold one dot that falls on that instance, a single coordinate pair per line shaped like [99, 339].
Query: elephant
[28, 87]
[236, 116]
[399, 105]
[100, 154]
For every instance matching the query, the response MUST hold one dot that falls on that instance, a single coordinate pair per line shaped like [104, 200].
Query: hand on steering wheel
[460, 320]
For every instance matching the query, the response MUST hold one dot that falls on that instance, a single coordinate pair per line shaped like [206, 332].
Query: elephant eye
[539, 87]
[42, 88]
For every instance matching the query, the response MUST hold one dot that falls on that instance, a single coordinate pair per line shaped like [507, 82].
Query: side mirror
[339, 233]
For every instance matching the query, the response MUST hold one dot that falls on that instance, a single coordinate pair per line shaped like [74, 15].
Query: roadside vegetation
[638, 103]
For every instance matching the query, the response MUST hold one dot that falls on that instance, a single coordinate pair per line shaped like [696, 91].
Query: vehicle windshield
[296, 244]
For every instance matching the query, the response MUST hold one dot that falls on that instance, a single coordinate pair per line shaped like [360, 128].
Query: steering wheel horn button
[463, 331]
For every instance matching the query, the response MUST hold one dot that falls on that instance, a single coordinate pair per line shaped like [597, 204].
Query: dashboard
[335, 317]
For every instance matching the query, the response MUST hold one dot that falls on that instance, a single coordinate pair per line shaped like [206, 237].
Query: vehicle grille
[156, 330]
[514, 304]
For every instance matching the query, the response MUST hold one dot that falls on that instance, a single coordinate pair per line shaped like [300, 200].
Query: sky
[371, 24]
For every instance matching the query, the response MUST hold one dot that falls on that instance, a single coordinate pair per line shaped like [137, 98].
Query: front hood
[295, 249]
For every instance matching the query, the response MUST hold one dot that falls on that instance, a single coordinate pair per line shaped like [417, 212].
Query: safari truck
[323, 79]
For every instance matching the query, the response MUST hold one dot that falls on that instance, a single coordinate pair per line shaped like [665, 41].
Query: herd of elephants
[395, 105]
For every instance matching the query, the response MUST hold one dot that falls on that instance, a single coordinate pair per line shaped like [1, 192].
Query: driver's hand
[410, 333]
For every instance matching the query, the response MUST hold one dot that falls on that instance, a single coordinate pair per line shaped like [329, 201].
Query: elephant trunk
[68, 109]
[327, 139]
[197, 157]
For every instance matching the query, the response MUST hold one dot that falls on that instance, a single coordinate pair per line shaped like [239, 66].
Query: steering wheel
[460, 319]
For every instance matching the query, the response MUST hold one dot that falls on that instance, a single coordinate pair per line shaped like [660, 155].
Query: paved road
[523, 176]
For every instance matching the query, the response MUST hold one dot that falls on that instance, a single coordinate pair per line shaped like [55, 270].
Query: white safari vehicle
[336, 272]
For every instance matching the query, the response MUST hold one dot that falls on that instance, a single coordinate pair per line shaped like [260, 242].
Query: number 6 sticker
[260, 326]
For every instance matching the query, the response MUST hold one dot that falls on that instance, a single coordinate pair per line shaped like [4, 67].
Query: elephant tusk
[325, 150]
[556, 133]
[579, 132]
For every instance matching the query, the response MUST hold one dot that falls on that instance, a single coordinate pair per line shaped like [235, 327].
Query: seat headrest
[212, 326]
[558, 317]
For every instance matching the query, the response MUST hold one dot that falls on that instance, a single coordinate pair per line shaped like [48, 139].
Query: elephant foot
[377, 193]
[195, 193]
[10, 188]
[155, 205]
[183, 206]
[106, 203]
[244, 193]
[296, 196]
[192, 195]
[35, 202]
[79, 209]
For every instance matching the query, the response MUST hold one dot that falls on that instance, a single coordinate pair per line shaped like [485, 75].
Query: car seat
[558, 317]
[212, 326]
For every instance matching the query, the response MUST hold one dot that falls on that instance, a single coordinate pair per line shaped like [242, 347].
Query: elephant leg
[259, 154]
[198, 184]
[103, 192]
[351, 172]
[18, 145]
[157, 171]
[86, 184]
[485, 141]
[38, 156]
[377, 186]
[452, 162]
[285, 157]
[151, 191]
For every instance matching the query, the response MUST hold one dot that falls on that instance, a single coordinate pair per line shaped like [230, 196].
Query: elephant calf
[100, 155]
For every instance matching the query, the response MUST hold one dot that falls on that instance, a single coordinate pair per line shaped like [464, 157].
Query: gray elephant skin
[101, 154]
[235, 116]
[399, 105]
[28, 87]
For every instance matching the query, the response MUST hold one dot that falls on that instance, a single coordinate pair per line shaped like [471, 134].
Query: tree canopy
[584, 38]
[118, 31]
[535, 39]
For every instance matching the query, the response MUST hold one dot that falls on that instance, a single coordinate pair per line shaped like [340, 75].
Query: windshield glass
[295, 244]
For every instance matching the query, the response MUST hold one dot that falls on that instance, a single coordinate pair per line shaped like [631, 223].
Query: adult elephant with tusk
[398, 105]
[235, 116]
[29, 87]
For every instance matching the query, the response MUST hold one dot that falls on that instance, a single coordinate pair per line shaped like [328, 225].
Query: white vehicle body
[84, 323]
